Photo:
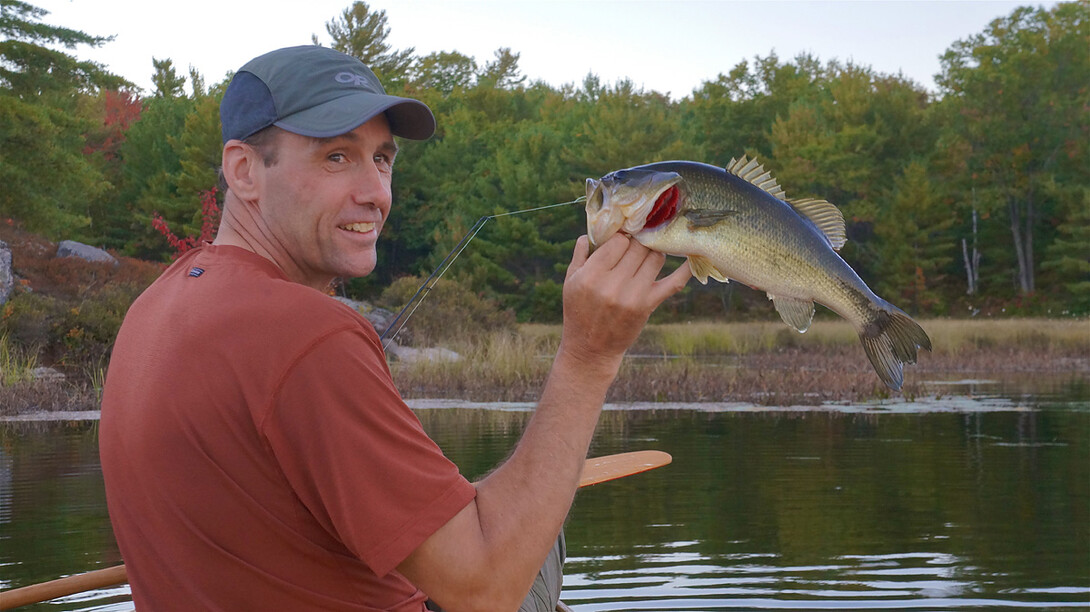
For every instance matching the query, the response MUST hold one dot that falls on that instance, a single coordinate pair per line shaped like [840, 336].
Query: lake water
[949, 503]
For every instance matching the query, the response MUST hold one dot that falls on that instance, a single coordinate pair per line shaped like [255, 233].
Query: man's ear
[240, 161]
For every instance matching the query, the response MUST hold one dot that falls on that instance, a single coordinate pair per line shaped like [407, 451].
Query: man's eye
[337, 157]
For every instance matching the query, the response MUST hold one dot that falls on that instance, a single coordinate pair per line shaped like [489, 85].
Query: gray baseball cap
[315, 91]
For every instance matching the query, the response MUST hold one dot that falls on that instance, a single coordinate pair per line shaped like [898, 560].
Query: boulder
[71, 248]
[408, 354]
[7, 276]
[47, 374]
[380, 318]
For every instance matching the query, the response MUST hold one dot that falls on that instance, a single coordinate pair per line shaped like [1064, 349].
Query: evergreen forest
[972, 197]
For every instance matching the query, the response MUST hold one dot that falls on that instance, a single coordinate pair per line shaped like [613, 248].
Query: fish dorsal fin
[752, 171]
[825, 216]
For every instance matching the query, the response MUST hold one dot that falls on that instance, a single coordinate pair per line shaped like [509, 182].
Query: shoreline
[831, 379]
[781, 378]
[956, 404]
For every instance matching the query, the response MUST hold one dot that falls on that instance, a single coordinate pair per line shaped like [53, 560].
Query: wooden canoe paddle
[595, 470]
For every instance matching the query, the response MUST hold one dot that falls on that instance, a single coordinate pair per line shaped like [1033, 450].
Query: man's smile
[361, 227]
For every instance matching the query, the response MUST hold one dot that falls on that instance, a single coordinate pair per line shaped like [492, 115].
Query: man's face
[325, 200]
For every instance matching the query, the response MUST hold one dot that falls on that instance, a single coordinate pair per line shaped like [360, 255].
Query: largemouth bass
[735, 223]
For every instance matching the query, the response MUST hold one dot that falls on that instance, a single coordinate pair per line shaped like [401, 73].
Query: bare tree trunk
[1031, 281]
[1023, 243]
[972, 263]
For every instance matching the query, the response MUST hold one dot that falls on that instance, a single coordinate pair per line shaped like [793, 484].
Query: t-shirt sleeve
[357, 456]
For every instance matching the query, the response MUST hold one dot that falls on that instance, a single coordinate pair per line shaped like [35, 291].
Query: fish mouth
[621, 201]
[603, 219]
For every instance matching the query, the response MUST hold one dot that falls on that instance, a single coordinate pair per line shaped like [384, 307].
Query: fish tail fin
[890, 340]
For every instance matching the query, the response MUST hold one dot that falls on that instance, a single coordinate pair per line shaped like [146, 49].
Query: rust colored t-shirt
[256, 453]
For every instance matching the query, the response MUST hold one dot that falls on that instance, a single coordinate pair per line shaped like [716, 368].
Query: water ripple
[686, 580]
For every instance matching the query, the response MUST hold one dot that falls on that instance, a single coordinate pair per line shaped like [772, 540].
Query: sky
[667, 46]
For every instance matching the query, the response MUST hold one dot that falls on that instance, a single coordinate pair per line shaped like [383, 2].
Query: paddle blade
[611, 467]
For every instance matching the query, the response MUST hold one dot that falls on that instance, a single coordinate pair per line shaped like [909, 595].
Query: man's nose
[372, 187]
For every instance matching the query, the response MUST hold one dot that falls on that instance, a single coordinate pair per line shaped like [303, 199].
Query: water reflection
[821, 510]
[847, 507]
[53, 519]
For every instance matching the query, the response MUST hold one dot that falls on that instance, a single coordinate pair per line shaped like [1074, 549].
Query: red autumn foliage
[210, 216]
[122, 109]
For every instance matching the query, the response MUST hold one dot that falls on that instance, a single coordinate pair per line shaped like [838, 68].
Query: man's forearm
[486, 556]
[524, 503]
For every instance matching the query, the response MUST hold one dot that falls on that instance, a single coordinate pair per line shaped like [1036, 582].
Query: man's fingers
[633, 265]
[650, 265]
[579, 255]
[669, 285]
[638, 261]
[612, 251]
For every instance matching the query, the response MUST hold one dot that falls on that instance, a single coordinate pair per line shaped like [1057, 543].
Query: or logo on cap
[348, 77]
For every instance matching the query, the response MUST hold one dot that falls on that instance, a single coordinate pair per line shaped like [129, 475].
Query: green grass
[16, 364]
[956, 337]
[695, 339]
[947, 336]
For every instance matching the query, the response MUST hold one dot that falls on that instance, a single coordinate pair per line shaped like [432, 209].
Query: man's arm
[486, 557]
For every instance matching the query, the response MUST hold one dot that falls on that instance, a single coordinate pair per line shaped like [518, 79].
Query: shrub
[451, 312]
[66, 312]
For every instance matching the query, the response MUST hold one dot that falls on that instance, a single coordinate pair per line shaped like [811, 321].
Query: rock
[86, 252]
[7, 276]
[380, 318]
[408, 354]
[47, 374]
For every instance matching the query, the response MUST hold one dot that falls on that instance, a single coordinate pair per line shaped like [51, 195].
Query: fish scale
[733, 223]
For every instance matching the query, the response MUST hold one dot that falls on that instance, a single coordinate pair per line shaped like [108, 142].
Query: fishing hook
[414, 302]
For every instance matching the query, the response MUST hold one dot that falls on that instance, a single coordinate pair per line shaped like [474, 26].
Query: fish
[736, 223]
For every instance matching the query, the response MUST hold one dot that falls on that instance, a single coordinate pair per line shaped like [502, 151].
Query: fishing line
[421, 293]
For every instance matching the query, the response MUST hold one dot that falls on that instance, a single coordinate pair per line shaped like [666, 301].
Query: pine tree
[502, 72]
[914, 244]
[168, 83]
[361, 32]
[444, 72]
[1069, 256]
[30, 71]
[45, 174]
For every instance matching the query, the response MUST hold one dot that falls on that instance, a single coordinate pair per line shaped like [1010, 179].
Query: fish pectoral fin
[795, 312]
[707, 217]
[702, 268]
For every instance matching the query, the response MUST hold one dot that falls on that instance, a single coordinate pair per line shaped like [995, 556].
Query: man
[256, 453]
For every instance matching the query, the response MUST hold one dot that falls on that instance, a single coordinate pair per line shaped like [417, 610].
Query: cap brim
[408, 118]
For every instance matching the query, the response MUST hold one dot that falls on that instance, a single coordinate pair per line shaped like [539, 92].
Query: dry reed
[43, 395]
[764, 362]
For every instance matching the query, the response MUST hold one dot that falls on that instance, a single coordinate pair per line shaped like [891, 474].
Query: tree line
[976, 196]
